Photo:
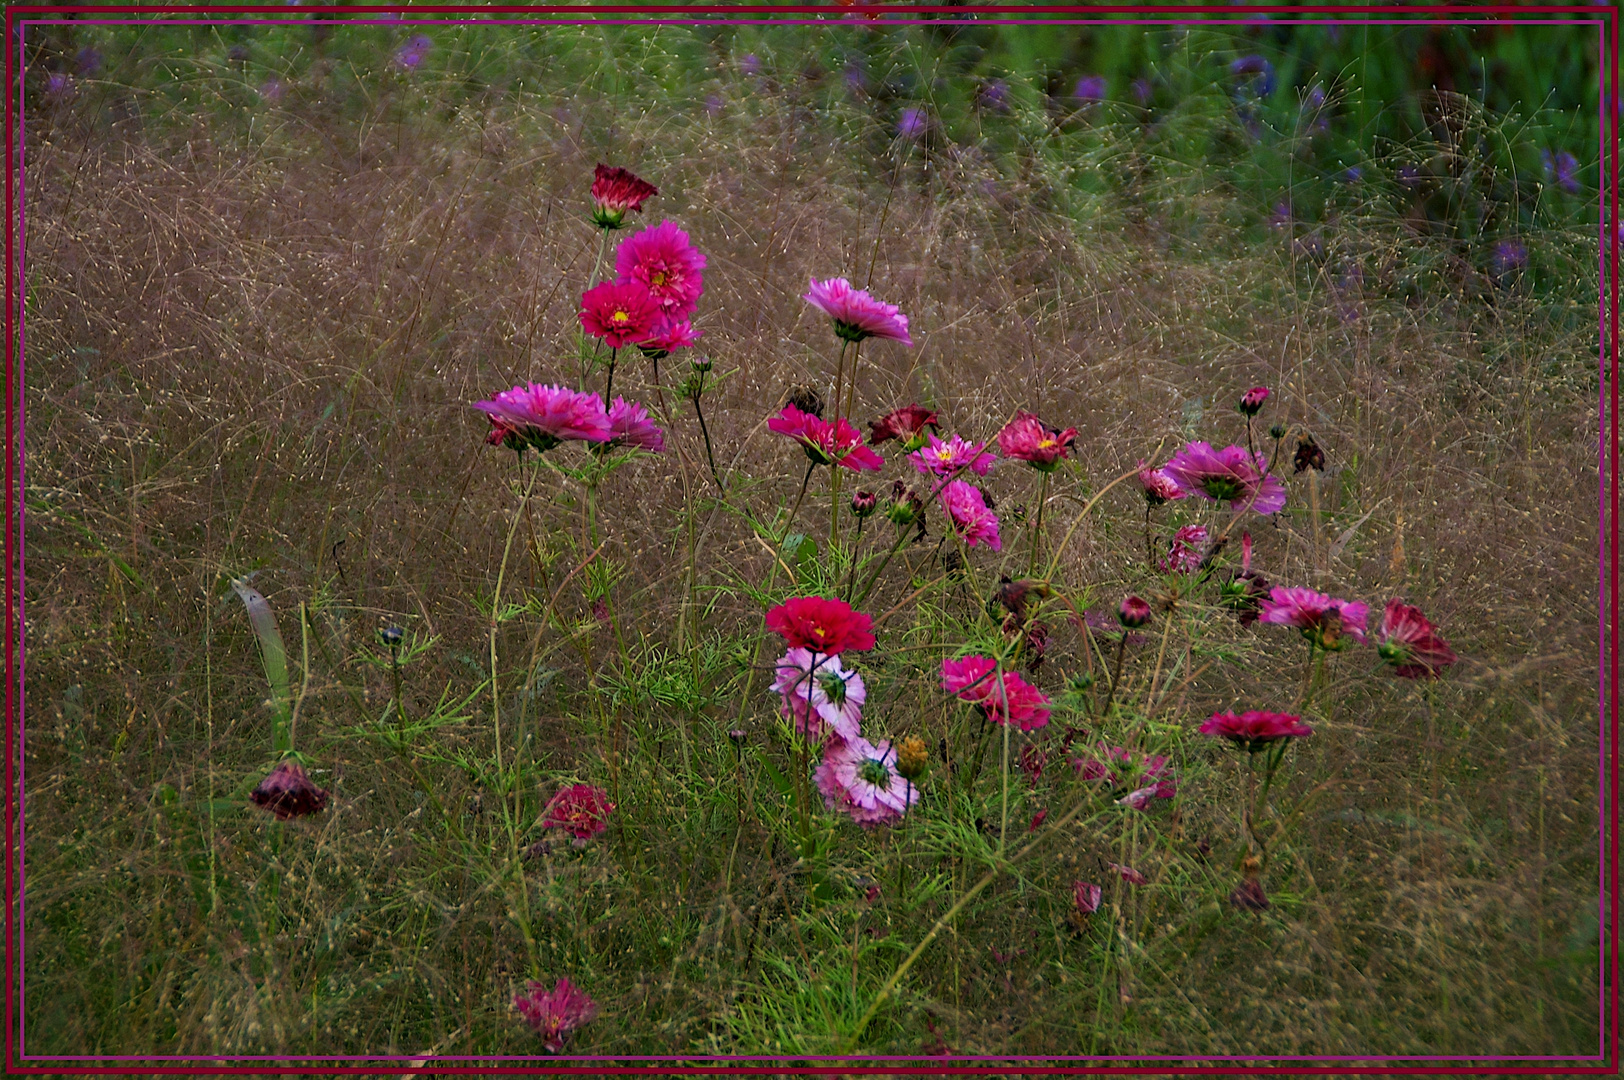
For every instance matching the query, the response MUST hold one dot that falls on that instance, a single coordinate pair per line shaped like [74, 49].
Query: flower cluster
[825, 443]
[1005, 699]
[542, 417]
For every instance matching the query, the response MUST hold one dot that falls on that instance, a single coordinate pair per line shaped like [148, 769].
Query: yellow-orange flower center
[656, 279]
[620, 317]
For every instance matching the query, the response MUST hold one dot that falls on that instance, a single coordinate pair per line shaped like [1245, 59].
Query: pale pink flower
[857, 315]
[862, 779]
[1185, 553]
[818, 690]
[556, 1013]
[1028, 439]
[544, 416]
[1231, 475]
[968, 511]
[630, 426]
[662, 260]
[946, 458]
[1159, 487]
[1322, 619]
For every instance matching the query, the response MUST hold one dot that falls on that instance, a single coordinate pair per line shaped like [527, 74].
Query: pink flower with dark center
[1254, 731]
[825, 443]
[1086, 896]
[288, 793]
[857, 315]
[1253, 400]
[946, 458]
[1411, 644]
[669, 335]
[580, 809]
[1028, 439]
[556, 1013]
[1133, 613]
[1159, 487]
[862, 779]
[821, 625]
[1324, 620]
[620, 312]
[663, 261]
[1129, 874]
[905, 425]
[616, 190]
[630, 426]
[817, 690]
[968, 511]
[1230, 475]
[1185, 553]
[544, 416]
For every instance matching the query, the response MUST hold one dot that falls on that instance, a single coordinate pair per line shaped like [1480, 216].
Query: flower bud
[1133, 613]
[1277, 432]
[863, 503]
[701, 363]
[391, 636]
[1253, 400]
[906, 507]
[912, 757]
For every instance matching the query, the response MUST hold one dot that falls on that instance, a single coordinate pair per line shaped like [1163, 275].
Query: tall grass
[255, 328]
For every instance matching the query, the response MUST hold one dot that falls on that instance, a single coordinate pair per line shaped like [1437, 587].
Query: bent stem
[496, 618]
[796, 509]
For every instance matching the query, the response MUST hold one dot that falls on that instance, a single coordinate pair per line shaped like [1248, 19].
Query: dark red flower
[906, 425]
[822, 625]
[1411, 644]
[1254, 731]
[581, 810]
[1249, 896]
[616, 191]
[288, 793]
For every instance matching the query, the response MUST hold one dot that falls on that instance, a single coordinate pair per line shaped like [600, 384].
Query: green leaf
[275, 657]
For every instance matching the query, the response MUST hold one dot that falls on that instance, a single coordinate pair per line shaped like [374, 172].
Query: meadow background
[269, 269]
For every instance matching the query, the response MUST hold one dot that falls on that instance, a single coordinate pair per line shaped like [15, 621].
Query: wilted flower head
[1308, 455]
[857, 315]
[580, 810]
[912, 123]
[1323, 620]
[412, 53]
[1242, 593]
[1249, 895]
[907, 425]
[1129, 874]
[1254, 731]
[1086, 896]
[817, 690]
[1090, 88]
[1133, 613]
[825, 443]
[544, 416]
[629, 425]
[1185, 553]
[1232, 475]
[615, 191]
[1028, 439]
[661, 260]
[288, 793]
[821, 625]
[906, 508]
[1253, 400]
[1411, 644]
[862, 778]
[967, 509]
[946, 458]
[620, 312]
[912, 757]
[556, 1013]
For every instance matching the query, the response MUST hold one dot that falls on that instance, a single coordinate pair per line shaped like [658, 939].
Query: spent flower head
[907, 425]
[288, 793]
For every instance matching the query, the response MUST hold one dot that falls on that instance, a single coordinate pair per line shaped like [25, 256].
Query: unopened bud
[1133, 613]
[1253, 400]
[912, 757]
[863, 503]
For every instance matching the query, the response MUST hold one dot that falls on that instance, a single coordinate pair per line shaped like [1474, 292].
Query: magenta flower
[1086, 896]
[1133, 613]
[970, 678]
[1012, 700]
[826, 443]
[968, 511]
[1253, 400]
[1254, 731]
[821, 625]
[669, 335]
[1322, 619]
[288, 793]
[629, 425]
[663, 261]
[580, 810]
[1184, 555]
[1028, 439]
[544, 416]
[615, 191]
[1129, 874]
[1090, 88]
[947, 458]
[1411, 644]
[817, 690]
[620, 312]
[862, 779]
[1229, 475]
[912, 123]
[556, 1013]
[857, 315]
[1159, 487]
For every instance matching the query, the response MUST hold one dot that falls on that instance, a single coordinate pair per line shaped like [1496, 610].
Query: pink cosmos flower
[947, 458]
[1185, 553]
[817, 690]
[1254, 731]
[1253, 400]
[825, 443]
[616, 191]
[1028, 439]
[663, 261]
[556, 1013]
[1322, 619]
[544, 416]
[288, 793]
[970, 678]
[669, 335]
[1229, 475]
[1129, 874]
[862, 779]
[620, 312]
[1159, 487]
[857, 315]
[1120, 767]
[630, 425]
[1012, 700]
[580, 809]
[821, 625]
[906, 425]
[1411, 644]
[968, 511]
[1086, 896]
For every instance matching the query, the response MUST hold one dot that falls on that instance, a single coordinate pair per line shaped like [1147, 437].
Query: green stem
[796, 509]
[1122, 647]
[1037, 526]
[856, 543]
[496, 615]
[902, 539]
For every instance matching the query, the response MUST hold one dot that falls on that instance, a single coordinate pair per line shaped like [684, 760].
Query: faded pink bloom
[1129, 874]
[288, 793]
[1159, 487]
[1086, 895]
[1242, 593]
[1138, 799]
[556, 1013]
[1229, 475]
[825, 443]
[968, 511]
[620, 312]
[630, 426]
[1185, 553]
[946, 458]
[1254, 731]
[1028, 439]
[857, 315]
[817, 690]
[1411, 644]
[1322, 619]
[1249, 895]
[862, 779]
[906, 425]
[544, 416]
[663, 261]
[580, 809]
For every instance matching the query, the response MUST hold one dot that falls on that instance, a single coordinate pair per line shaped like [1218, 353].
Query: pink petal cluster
[1028, 439]
[620, 312]
[819, 694]
[1086, 896]
[1253, 400]
[975, 679]
[1119, 766]
[662, 261]
[580, 810]
[668, 335]
[1129, 874]
[555, 1013]
[946, 458]
[862, 779]
[1322, 619]
[1185, 553]
[857, 315]
[544, 416]
[629, 425]
[1254, 731]
[907, 425]
[1159, 487]
[1411, 644]
[821, 625]
[967, 509]
[1232, 475]
[615, 191]
[825, 443]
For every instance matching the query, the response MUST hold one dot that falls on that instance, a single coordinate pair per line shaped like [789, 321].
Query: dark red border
[1596, 12]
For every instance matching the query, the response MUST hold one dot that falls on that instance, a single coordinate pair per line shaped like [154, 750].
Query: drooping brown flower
[288, 793]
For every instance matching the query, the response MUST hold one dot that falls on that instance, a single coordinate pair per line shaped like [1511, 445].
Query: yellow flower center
[1045, 442]
[620, 317]
[656, 279]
